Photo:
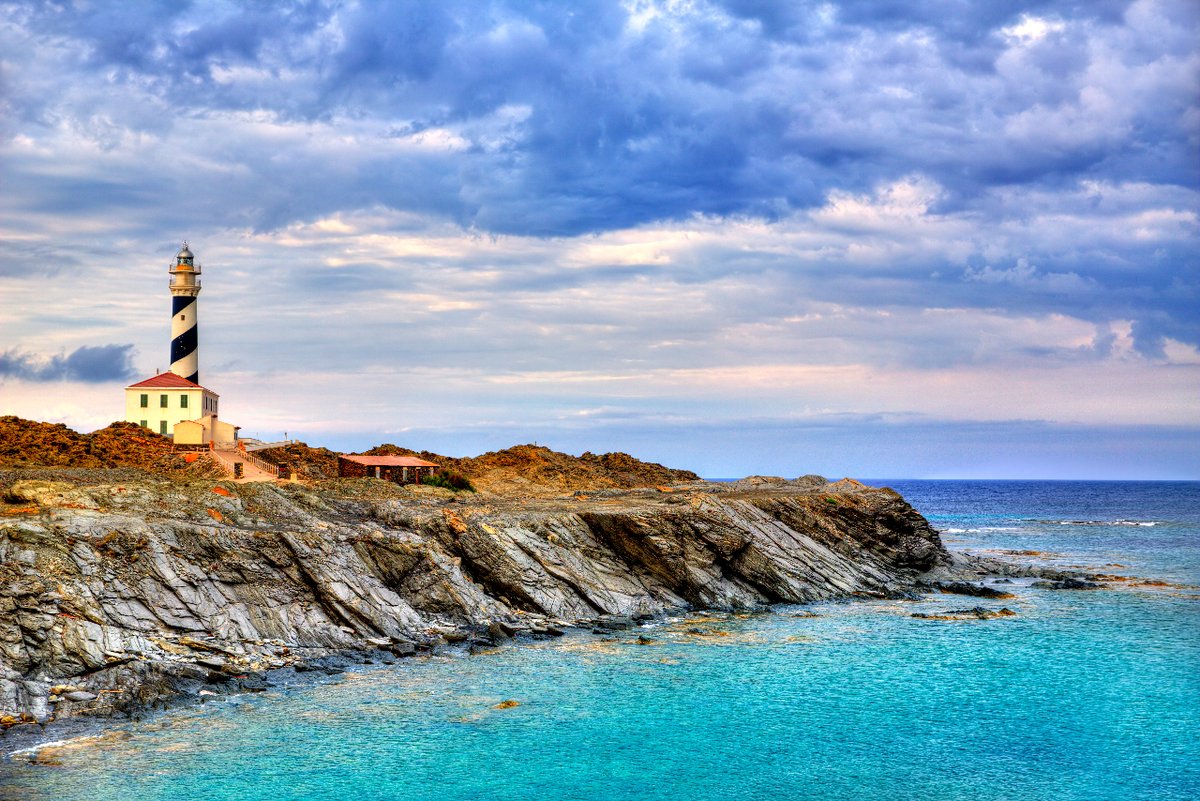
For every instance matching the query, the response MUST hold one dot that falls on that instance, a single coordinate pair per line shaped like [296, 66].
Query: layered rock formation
[120, 590]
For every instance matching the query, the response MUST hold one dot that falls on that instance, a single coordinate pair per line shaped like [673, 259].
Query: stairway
[253, 468]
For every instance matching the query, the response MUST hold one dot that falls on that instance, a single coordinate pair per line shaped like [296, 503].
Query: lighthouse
[173, 403]
[185, 289]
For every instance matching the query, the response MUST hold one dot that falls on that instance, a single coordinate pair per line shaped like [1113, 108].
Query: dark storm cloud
[90, 364]
[563, 120]
[747, 108]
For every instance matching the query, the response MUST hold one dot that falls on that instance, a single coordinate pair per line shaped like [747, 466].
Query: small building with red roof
[401, 469]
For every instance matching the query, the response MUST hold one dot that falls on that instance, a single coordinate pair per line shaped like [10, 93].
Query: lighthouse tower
[185, 287]
[173, 403]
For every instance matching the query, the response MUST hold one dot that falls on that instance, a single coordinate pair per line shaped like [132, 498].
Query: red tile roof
[166, 381]
[387, 461]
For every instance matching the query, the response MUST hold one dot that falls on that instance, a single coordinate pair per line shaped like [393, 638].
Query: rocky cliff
[119, 590]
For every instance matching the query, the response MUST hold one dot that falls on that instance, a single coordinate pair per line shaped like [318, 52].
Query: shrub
[449, 479]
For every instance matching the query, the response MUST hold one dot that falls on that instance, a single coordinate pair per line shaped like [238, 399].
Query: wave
[977, 530]
[32, 750]
[1144, 523]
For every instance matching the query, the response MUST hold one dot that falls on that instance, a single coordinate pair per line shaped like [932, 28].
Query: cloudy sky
[882, 239]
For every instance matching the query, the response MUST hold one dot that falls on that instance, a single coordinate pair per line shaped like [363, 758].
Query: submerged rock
[975, 613]
[1067, 584]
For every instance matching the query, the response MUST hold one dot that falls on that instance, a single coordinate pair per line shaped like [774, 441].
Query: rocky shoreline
[121, 595]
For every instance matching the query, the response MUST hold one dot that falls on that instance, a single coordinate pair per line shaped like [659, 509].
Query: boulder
[614, 622]
[967, 588]
[500, 631]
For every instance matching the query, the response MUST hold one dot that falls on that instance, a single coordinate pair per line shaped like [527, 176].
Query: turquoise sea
[1082, 695]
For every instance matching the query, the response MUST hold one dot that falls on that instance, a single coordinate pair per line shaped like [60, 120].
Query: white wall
[155, 414]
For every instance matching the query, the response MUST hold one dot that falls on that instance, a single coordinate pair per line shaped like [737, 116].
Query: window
[145, 402]
[143, 423]
[162, 426]
[183, 401]
[162, 401]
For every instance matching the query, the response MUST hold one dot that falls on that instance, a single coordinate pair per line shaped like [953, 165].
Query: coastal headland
[123, 589]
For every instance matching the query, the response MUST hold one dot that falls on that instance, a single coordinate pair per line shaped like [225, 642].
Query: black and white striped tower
[185, 287]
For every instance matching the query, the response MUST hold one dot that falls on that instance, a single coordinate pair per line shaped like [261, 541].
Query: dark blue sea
[1088, 695]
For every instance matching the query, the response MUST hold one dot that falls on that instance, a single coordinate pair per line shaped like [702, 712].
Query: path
[250, 471]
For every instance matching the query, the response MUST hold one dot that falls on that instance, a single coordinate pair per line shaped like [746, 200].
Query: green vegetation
[449, 479]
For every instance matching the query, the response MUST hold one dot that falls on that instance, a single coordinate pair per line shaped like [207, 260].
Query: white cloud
[1025, 275]
[1032, 29]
